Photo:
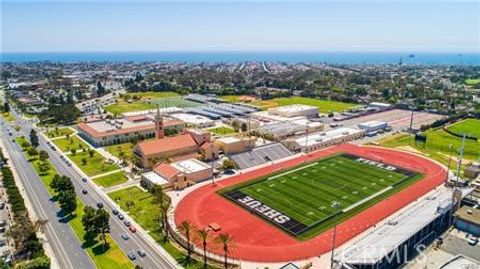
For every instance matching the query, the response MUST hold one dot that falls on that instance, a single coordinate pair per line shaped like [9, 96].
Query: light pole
[335, 206]
[449, 163]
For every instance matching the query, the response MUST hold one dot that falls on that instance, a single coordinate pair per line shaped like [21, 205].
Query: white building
[372, 126]
[296, 110]
[317, 141]
[194, 120]
[177, 175]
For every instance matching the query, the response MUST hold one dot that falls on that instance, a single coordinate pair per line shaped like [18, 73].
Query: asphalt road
[65, 245]
[155, 258]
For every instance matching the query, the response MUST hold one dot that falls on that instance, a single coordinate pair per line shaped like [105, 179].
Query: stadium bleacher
[260, 155]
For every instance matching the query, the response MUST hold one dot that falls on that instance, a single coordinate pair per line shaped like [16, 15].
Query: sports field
[300, 201]
[470, 127]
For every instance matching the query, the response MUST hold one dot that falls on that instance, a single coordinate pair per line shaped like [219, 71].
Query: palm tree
[163, 203]
[203, 235]
[40, 225]
[226, 241]
[186, 228]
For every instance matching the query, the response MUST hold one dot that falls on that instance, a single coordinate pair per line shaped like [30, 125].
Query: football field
[299, 201]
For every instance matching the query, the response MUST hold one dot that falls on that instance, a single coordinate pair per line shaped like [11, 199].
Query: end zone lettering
[381, 165]
[264, 209]
[266, 212]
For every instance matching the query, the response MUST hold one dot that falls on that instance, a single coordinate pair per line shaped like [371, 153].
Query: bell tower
[159, 132]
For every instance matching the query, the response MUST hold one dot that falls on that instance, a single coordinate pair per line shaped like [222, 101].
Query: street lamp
[449, 163]
[335, 205]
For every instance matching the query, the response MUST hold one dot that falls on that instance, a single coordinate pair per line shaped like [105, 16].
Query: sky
[269, 25]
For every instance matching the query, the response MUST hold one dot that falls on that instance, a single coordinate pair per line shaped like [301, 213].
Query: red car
[132, 229]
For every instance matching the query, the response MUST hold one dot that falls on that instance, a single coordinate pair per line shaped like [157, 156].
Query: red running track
[258, 240]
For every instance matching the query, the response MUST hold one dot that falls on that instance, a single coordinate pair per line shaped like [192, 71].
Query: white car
[472, 240]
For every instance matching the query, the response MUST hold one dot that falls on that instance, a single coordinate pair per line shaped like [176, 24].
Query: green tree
[43, 155]
[91, 152]
[203, 235]
[96, 223]
[228, 164]
[226, 241]
[187, 228]
[67, 201]
[34, 138]
[84, 161]
[61, 184]
[6, 107]
[32, 152]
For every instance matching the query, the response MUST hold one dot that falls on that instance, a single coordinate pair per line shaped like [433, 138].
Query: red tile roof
[166, 171]
[84, 127]
[166, 144]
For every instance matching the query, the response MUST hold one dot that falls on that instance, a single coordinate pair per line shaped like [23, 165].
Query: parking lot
[398, 119]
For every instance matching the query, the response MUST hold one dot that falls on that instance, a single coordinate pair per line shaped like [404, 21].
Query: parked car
[141, 253]
[132, 229]
[472, 240]
[84, 191]
[125, 236]
[84, 179]
[99, 205]
[114, 212]
[3, 223]
[120, 217]
[2, 205]
[2, 229]
[127, 223]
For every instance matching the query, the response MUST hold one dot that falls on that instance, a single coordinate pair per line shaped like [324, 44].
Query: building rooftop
[192, 119]
[469, 214]
[166, 144]
[382, 240]
[155, 178]
[228, 139]
[165, 170]
[315, 138]
[190, 166]
[100, 128]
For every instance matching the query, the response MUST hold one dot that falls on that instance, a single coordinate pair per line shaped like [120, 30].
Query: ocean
[236, 57]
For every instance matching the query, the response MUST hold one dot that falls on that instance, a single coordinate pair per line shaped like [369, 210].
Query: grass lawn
[111, 179]
[174, 101]
[121, 107]
[68, 143]
[58, 132]
[95, 165]
[437, 146]
[117, 150]
[324, 106]
[153, 95]
[113, 256]
[8, 116]
[222, 130]
[295, 193]
[470, 127]
[146, 214]
[473, 82]
[230, 98]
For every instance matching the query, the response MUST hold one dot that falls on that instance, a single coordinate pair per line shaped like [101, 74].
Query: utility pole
[410, 131]
[459, 164]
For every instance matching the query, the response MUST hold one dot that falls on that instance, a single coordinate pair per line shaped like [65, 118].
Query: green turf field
[306, 194]
[470, 127]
